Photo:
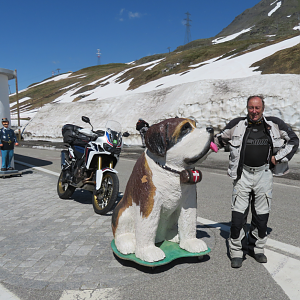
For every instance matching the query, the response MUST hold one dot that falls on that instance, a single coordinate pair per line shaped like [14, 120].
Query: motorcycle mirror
[85, 119]
[125, 134]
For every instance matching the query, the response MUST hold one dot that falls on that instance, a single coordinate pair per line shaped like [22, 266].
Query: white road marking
[282, 184]
[283, 269]
[101, 294]
[284, 247]
[5, 294]
[213, 224]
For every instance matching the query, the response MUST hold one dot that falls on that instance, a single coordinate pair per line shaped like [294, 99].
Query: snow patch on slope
[211, 102]
[278, 4]
[230, 37]
[297, 27]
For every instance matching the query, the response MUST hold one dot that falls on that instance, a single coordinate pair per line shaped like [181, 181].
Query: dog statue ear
[155, 139]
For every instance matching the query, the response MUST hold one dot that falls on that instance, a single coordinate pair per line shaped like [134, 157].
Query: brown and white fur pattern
[156, 206]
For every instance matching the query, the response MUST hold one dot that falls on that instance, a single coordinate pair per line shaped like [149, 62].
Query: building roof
[9, 73]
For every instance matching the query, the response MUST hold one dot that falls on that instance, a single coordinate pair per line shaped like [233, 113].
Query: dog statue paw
[155, 200]
[126, 243]
[150, 253]
[193, 245]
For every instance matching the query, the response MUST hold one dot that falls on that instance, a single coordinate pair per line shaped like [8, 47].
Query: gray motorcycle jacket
[282, 139]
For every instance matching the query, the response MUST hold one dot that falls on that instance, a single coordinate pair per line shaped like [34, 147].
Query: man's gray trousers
[254, 189]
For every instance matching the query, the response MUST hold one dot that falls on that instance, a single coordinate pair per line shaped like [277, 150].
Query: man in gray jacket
[259, 146]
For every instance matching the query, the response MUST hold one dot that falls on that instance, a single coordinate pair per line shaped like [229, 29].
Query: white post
[5, 75]
[4, 99]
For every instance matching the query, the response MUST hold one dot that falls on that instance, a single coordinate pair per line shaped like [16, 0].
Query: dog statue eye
[186, 128]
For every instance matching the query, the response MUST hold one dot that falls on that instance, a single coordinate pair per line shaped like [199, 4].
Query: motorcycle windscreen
[113, 133]
[113, 126]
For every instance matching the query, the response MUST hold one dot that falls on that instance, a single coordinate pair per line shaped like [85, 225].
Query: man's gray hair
[257, 96]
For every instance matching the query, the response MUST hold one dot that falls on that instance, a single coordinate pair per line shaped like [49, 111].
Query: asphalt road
[214, 192]
[211, 278]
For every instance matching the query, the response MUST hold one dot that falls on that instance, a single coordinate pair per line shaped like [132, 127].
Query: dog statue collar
[191, 176]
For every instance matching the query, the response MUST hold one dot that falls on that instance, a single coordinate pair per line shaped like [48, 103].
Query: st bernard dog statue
[160, 199]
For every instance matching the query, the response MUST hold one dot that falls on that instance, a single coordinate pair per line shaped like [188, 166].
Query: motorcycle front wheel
[64, 190]
[105, 198]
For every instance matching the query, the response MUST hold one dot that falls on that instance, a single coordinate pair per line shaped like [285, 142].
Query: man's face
[5, 124]
[255, 108]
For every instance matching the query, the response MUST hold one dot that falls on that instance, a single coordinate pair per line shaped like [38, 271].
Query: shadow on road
[225, 235]
[32, 160]
[82, 196]
[163, 268]
[85, 197]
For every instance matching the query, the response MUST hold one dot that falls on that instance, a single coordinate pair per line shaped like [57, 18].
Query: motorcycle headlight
[107, 147]
[120, 141]
[112, 150]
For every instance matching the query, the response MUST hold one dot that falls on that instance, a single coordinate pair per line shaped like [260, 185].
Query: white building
[5, 75]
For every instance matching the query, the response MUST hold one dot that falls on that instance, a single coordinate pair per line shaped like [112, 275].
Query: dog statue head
[179, 139]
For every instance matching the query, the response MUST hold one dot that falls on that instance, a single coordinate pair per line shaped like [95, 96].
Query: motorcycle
[89, 163]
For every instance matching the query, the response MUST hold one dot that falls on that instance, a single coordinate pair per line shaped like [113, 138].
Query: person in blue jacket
[7, 141]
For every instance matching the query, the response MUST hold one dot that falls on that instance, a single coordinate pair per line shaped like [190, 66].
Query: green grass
[47, 92]
[178, 61]
[286, 61]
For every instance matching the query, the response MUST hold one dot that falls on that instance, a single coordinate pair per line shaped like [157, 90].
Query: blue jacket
[7, 135]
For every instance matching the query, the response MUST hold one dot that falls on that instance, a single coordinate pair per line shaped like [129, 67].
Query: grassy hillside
[178, 61]
[286, 61]
[47, 92]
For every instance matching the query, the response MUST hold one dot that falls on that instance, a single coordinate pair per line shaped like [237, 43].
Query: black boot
[260, 257]
[236, 262]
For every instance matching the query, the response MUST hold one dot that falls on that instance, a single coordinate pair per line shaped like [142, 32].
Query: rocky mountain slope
[269, 17]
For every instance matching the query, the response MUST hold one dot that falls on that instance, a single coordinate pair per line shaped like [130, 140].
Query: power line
[187, 37]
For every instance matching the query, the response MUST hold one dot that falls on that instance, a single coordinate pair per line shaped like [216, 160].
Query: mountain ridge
[268, 17]
[183, 60]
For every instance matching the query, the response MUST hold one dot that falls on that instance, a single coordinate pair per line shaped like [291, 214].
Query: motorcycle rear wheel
[64, 190]
[105, 198]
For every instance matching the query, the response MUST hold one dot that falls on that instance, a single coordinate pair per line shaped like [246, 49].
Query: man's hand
[17, 144]
[1, 145]
[273, 160]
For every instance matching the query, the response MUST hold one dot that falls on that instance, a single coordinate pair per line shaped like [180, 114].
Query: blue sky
[40, 36]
